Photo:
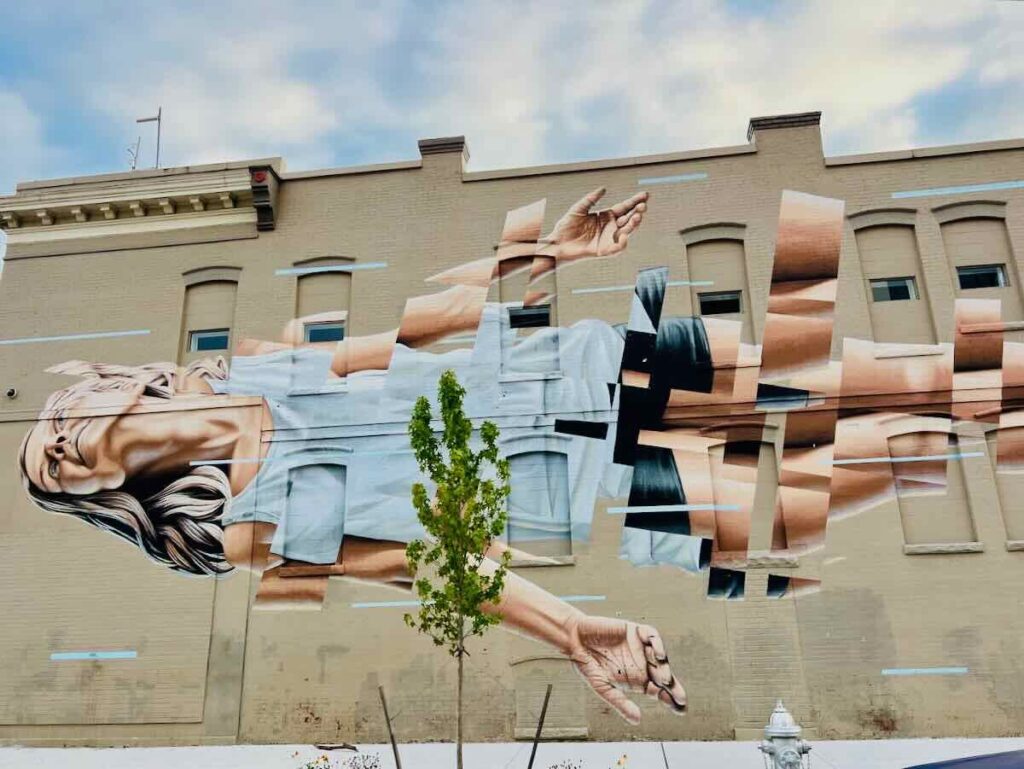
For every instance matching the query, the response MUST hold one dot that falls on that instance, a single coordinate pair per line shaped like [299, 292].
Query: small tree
[462, 519]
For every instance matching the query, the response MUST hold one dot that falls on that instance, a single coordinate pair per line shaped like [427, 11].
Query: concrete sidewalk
[867, 754]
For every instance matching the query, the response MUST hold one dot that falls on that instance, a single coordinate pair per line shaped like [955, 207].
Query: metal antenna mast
[158, 119]
[133, 152]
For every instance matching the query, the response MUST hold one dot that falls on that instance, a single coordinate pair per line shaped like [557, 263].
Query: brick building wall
[93, 256]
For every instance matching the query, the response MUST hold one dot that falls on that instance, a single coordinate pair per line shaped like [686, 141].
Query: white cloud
[648, 77]
[227, 78]
[532, 81]
[24, 152]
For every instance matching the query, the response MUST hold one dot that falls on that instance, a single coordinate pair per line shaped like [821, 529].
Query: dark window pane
[983, 276]
[720, 303]
[530, 317]
[325, 332]
[208, 341]
[893, 289]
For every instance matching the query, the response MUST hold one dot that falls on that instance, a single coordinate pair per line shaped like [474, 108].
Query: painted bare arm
[426, 319]
[580, 233]
[611, 654]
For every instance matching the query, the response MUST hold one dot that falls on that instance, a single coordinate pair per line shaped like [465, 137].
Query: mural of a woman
[299, 455]
[171, 460]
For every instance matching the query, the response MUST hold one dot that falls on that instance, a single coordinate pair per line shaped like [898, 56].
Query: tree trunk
[458, 717]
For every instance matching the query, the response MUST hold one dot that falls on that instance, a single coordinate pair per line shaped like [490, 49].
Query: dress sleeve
[278, 374]
[592, 349]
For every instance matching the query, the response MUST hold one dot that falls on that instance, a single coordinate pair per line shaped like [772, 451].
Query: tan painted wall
[211, 670]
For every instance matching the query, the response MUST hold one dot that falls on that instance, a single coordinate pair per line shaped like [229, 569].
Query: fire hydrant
[782, 741]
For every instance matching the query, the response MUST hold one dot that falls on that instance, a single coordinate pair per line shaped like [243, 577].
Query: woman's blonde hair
[176, 522]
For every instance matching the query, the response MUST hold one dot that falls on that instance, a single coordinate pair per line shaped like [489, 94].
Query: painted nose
[58, 447]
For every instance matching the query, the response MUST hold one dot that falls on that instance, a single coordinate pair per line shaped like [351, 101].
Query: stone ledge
[541, 561]
[925, 152]
[1015, 545]
[945, 548]
[553, 733]
[444, 145]
[793, 120]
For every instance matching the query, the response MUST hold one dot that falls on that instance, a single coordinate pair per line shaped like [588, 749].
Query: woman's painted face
[79, 454]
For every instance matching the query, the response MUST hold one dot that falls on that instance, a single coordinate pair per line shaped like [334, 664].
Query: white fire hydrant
[782, 741]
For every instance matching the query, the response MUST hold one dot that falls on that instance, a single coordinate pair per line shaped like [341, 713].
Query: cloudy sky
[340, 83]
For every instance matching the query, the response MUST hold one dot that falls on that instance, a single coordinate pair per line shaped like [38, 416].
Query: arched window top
[974, 209]
[714, 231]
[323, 261]
[212, 275]
[522, 444]
[881, 217]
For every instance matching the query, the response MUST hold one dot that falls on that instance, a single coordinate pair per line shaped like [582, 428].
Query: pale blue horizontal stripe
[122, 655]
[670, 508]
[694, 177]
[75, 337]
[926, 458]
[340, 451]
[354, 267]
[415, 604]
[630, 287]
[955, 671]
[987, 187]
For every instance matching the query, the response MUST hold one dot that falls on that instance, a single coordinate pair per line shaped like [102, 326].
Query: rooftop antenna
[133, 152]
[158, 119]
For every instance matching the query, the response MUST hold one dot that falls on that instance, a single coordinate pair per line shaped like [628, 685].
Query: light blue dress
[339, 461]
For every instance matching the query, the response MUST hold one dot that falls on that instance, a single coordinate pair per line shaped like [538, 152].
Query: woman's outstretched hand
[581, 232]
[615, 655]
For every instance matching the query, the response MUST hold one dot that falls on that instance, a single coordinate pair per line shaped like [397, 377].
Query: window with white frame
[982, 276]
[209, 340]
[894, 289]
[331, 331]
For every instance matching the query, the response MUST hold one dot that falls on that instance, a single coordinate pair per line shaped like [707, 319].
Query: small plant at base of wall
[360, 761]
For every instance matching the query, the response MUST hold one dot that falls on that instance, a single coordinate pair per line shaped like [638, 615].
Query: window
[530, 317]
[208, 341]
[931, 489]
[322, 291]
[324, 332]
[894, 289]
[720, 303]
[538, 505]
[982, 276]
[716, 266]
[208, 314]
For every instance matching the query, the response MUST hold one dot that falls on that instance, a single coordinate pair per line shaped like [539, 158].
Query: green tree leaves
[466, 513]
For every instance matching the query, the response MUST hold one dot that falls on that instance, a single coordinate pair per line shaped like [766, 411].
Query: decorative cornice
[794, 120]
[263, 183]
[84, 201]
[138, 210]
